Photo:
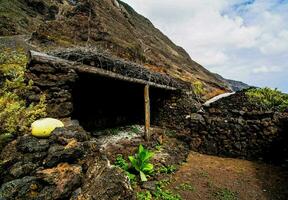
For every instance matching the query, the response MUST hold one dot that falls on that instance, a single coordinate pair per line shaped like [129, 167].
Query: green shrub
[16, 115]
[198, 88]
[144, 195]
[140, 162]
[268, 99]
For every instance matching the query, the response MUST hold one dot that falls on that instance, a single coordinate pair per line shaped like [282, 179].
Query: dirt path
[207, 177]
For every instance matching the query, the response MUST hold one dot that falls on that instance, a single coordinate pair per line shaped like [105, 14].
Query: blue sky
[244, 40]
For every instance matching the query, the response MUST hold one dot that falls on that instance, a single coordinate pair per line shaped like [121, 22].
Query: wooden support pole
[147, 112]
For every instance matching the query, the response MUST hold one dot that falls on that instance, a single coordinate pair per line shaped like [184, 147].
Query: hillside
[103, 26]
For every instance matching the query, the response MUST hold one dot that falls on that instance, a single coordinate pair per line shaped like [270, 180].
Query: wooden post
[147, 112]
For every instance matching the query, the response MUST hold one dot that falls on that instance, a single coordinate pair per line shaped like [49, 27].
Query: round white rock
[44, 127]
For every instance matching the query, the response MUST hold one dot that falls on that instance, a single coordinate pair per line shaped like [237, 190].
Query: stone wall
[56, 82]
[175, 109]
[251, 135]
[230, 127]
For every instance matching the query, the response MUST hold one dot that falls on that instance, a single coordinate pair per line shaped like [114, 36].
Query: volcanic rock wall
[56, 82]
[230, 127]
[252, 135]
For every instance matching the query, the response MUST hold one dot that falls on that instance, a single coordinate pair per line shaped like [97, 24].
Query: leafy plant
[144, 195]
[161, 194]
[167, 169]
[121, 162]
[16, 115]
[140, 162]
[268, 98]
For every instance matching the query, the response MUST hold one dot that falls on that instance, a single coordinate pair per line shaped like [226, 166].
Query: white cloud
[266, 69]
[231, 37]
[275, 45]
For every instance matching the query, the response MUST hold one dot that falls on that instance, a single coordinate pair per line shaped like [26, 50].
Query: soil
[209, 177]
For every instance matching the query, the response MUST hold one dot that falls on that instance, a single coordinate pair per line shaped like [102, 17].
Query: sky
[244, 40]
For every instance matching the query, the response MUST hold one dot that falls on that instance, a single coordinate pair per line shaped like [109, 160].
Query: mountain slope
[106, 26]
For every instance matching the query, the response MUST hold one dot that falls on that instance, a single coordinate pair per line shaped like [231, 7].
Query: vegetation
[186, 187]
[167, 169]
[144, 195]
[140, 162]
[198, 88]
[161, 194]
[225, 194]
[121, 162]
[135, 129]
[16, 115]
[158, 194]
[267, 98]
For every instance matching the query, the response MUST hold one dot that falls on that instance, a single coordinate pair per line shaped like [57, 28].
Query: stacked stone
[67, 165]
[56, 82]
[233, 127]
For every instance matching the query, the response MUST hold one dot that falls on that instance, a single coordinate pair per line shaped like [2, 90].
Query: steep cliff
[104, 26]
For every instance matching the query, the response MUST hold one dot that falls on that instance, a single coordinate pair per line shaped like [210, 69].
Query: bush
[198, 88]
[16, 115]
[268, 99]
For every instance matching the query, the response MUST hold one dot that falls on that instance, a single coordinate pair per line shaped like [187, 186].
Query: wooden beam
[78, 67]
[147, 112]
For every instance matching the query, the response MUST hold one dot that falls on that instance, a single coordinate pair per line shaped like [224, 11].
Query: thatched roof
[104, 65]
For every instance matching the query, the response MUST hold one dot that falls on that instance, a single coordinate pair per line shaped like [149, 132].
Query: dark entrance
[101, 102]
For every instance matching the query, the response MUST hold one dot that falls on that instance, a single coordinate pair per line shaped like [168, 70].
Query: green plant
[158, 147]
[186, 187]
[144, 195]
[167, 169]
[161, 194]
[225, 194]
[268, 98]
[203, 174]
[114, 131]
[135, 129]
[121, 162]
[16, 115]
[198, 88]
[140, 162]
